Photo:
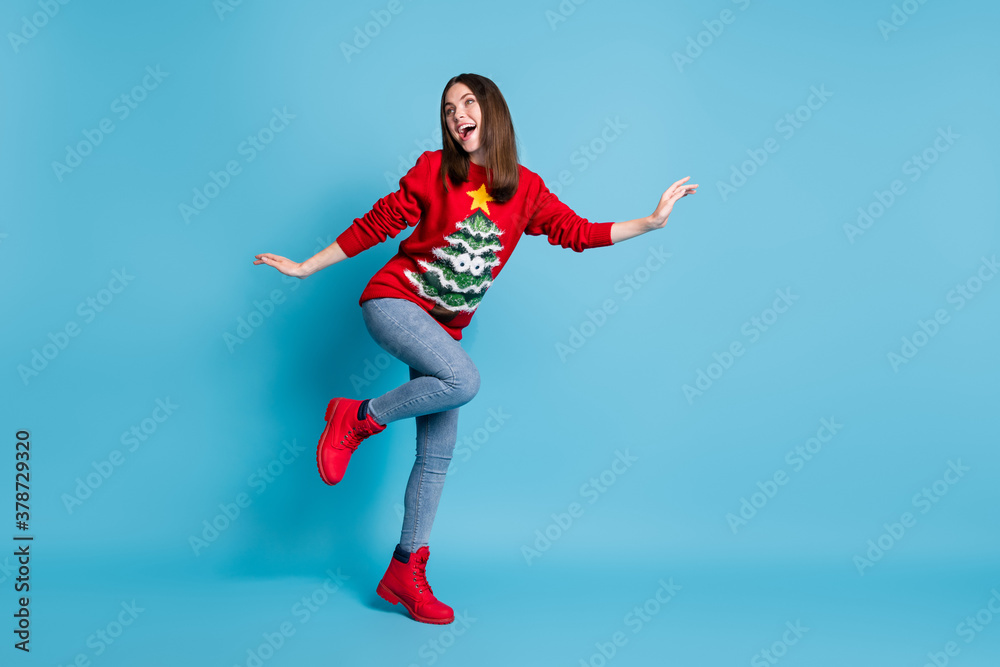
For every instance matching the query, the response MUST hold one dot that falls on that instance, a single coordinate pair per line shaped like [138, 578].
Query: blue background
[359, 122]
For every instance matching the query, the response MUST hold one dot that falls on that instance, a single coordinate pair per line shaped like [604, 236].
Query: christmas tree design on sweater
[461, 272]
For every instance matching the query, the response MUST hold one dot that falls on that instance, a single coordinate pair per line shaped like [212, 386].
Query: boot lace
[420, 575]
[356, 434]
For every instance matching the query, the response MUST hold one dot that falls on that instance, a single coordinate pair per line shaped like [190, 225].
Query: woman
[469, 204]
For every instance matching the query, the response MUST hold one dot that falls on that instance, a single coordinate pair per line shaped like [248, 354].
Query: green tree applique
[461, 271]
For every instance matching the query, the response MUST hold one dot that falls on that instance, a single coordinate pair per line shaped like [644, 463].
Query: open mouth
[466, 130]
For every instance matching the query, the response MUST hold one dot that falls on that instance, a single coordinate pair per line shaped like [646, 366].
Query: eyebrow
[449, 104]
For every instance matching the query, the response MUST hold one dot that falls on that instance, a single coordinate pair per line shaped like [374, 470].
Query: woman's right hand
[283, 264]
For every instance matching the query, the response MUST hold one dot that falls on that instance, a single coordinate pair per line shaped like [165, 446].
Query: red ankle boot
[406, 582]
[342, 435]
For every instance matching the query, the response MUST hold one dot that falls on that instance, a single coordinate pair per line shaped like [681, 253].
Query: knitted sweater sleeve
[392, 213]
[563, 227]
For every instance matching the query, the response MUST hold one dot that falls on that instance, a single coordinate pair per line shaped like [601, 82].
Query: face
[463, 117]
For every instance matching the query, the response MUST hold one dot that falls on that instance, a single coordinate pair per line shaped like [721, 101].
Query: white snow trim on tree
[480, 225]
[414, 279]
[450, 284]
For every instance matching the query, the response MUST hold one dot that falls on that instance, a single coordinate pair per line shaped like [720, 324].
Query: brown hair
[497, 137]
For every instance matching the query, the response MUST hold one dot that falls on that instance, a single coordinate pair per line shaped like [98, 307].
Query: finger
[677, 187]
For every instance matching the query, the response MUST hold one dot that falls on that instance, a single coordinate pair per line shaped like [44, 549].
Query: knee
[464, 381]
[472, 383]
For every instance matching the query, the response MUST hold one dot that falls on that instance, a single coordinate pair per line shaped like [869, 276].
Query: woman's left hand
[666, 205]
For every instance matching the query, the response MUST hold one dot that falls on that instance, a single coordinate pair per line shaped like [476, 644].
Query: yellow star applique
[479, 198]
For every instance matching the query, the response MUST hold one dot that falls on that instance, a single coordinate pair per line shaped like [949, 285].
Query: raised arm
[557, 221]
[390, 215]
[564, 227]
[628, 229]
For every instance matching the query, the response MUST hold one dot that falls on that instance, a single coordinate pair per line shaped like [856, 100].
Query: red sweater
[463, 240]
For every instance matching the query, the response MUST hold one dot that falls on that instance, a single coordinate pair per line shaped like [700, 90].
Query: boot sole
[387, 595]
[329, 413]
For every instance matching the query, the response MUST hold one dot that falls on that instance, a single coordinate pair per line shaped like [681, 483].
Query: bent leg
[445, 378]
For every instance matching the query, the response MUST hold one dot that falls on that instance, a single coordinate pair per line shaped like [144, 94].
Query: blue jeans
[442, 378]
